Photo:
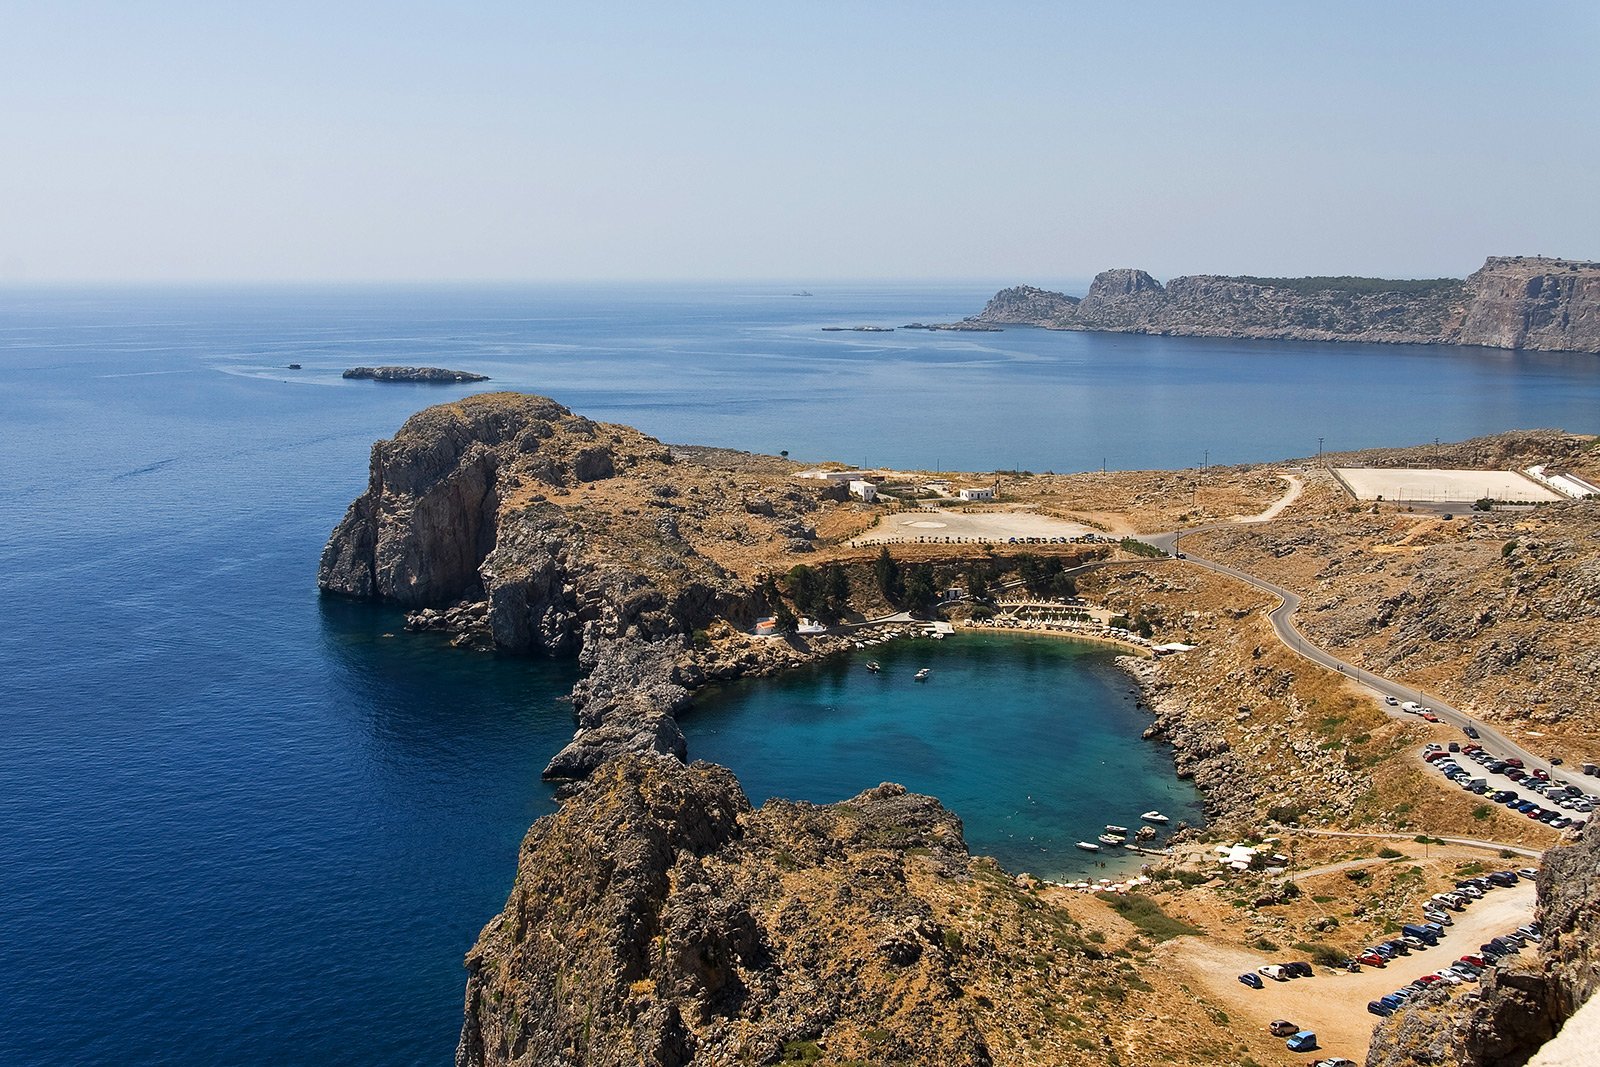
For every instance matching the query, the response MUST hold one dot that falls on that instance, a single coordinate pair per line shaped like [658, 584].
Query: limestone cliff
[1528, 302]
[1512, 302]
[1518, 1009]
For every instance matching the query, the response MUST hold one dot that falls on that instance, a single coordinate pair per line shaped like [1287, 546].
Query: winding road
[1282, 619]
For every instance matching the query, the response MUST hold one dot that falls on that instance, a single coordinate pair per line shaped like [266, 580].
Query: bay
[240, 823]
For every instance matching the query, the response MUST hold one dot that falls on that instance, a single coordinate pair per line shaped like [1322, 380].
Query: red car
[1429, 979]
[1514, 762]
[1476, 961]
[1372, 959]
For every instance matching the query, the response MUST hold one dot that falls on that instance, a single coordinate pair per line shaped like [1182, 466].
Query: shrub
[1147, 915]
[1387, 853]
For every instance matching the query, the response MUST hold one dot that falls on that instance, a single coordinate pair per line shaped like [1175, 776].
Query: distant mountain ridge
[1523, 302]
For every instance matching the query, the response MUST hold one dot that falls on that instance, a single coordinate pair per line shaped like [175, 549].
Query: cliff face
[1526, 302]
[1516, 1011]
[1513, 302]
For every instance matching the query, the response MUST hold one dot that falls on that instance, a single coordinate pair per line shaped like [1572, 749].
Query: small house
[862, 489]
[985, 492]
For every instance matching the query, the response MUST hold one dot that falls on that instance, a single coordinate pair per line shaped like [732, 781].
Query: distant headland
[414, 374]
[1520, 302]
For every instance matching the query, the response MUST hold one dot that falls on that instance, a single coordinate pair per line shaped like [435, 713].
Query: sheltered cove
[509, 521]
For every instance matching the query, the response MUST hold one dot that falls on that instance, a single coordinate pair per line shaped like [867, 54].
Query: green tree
[785, 621]
[805, 587]
[920, 594]
[887, 573]
[835, 591]
[977, 583]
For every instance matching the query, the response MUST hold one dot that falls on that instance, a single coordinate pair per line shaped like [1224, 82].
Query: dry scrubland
[657, 914]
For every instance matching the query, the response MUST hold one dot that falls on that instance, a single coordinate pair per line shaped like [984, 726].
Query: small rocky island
[430, 375]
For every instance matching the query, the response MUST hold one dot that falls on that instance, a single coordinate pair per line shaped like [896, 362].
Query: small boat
[294, 366]
[1088, 846]
[1109, 839]
[872, 665]
[922, 675]
[1154, 816]
[1120, 831]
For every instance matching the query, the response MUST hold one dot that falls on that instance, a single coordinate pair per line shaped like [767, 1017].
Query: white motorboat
[1154, 816]
[1088, 846]
[922, 675]
[1121, 831]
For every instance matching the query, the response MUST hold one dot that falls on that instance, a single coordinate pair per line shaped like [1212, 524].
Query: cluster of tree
[913, 587]
[1043, 576]
[821, 593]
[1357, 286]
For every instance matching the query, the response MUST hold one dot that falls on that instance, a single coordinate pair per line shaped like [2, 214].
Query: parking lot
[1570, 811]
[1334, 1003]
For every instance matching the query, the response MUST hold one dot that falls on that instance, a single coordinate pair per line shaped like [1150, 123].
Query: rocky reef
[1517, 1009]
[1524, 302]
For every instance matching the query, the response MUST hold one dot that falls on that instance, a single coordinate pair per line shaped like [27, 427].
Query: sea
[241, 823]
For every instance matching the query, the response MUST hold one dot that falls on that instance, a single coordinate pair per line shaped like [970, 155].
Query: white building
[862, 489]
[820, 475]
[984, 493]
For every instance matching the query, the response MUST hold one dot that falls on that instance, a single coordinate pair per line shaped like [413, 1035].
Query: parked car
[1252, 980]
[1379, 1009]
[1333, 1061]
[1282, 1028]
[1304, 1041]
[1273, 971]
[1470, 731]
[1527, 872]
[1299, 969]
[1372, 959]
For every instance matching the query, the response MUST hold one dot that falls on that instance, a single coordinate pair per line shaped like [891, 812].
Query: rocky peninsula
[1520, 302]
[428, 375]
[658, 918]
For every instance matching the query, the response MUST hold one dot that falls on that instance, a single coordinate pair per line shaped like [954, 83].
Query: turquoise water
[1033, 741]
[243, 824]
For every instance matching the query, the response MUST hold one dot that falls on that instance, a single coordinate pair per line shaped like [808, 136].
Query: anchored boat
[1154, 816]
[1088, 846]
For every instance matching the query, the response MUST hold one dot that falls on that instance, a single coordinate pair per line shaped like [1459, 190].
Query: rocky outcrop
[650, 923]
[510, 522]
[1517, 1009]
[1512, 302]
[657, 919]
[430, 375]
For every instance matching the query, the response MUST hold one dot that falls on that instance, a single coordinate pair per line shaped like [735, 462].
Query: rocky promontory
[1525, 302]
[515, 524]
[429, 375]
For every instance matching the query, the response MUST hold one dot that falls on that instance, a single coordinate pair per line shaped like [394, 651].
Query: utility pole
[1319, 451]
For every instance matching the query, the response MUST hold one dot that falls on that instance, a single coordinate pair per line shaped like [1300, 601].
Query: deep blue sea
[242, 824]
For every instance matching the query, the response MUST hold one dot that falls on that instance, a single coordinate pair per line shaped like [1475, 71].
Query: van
[1421, 933]
[1274, 972]
[1412, 706]
[1304, 1041]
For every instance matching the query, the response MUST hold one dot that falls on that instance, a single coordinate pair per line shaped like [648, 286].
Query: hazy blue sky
[802, 141]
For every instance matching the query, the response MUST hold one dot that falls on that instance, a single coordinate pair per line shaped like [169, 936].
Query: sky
[806, 143]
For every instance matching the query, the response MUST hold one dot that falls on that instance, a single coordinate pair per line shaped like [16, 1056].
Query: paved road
[1282, 618]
